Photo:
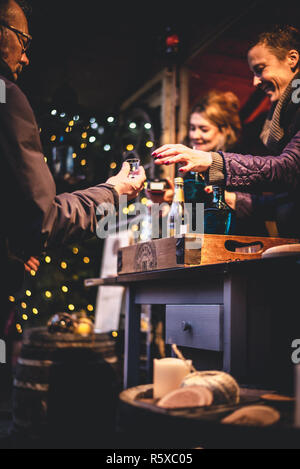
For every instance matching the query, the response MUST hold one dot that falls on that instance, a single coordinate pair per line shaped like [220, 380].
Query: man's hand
[125, 186]
[195, 160]
[32, 264]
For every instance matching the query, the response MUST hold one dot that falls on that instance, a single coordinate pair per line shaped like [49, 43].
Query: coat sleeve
[33, 216]
[264, 173]
[264, 207]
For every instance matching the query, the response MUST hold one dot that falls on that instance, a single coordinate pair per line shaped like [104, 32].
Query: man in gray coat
[32, 215]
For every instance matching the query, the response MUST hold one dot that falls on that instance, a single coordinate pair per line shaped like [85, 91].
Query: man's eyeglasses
[24, 38]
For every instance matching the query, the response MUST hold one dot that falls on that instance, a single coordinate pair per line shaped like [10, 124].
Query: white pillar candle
[168, 374]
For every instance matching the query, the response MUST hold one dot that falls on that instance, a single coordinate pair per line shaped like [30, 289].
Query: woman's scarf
[273, 131]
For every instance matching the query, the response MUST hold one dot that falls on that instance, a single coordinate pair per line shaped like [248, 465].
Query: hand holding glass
[134, 167]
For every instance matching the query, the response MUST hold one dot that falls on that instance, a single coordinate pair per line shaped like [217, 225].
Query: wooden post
[132, 340]
[168, 113]
[141, 91]
[235, 325]
[183, 103]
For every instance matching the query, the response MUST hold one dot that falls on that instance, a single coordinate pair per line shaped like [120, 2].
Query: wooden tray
[190, 250]
[202, 427]
[142, 397]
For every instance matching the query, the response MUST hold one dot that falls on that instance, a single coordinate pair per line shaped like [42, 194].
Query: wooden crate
[191, 250]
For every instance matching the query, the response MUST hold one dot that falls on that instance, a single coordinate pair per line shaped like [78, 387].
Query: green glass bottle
[218, 215]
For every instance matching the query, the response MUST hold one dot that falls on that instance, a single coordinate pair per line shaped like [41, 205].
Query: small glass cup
[134, 167]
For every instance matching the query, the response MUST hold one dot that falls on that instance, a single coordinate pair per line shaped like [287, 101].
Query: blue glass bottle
[218, 217]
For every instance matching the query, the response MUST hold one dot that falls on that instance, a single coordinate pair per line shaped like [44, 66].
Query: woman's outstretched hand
[195, 160]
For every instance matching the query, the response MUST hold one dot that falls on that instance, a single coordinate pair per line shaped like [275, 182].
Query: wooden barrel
[65, 388]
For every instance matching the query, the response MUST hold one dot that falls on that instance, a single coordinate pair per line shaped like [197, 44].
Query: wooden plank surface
[201, 271]
[189, 250]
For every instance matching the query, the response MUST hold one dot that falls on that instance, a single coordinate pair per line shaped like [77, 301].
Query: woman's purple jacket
[256, 174]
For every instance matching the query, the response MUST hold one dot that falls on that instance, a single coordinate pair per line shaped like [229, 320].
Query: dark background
[103, 51]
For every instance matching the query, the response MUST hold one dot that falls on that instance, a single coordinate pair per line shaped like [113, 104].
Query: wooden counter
[242, 316]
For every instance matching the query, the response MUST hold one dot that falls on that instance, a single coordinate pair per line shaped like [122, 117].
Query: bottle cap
[178, 180]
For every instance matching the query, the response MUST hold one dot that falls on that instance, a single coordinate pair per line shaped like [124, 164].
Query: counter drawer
[197, 326]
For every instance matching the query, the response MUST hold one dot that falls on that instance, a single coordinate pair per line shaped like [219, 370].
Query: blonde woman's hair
[222, 109]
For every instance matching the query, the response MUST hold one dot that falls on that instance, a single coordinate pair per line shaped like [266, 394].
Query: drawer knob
[186, 326]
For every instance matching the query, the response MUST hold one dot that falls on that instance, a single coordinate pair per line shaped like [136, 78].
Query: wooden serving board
[142, 397]
[191, 250]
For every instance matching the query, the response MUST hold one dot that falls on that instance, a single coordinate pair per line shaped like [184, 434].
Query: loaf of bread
[224, 388]
[191, 396]
[254, 415]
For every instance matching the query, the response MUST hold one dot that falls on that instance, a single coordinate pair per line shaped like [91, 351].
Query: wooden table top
[277, 263]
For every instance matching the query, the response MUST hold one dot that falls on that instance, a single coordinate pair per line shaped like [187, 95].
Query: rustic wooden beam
[183, 103]
[147, 86]
[168, 113]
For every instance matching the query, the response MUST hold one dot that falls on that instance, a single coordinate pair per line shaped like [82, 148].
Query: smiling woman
[274, 61]
[272, 73]
[214, 122]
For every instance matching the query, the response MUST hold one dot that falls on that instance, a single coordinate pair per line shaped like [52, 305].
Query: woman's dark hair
[280, 39]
